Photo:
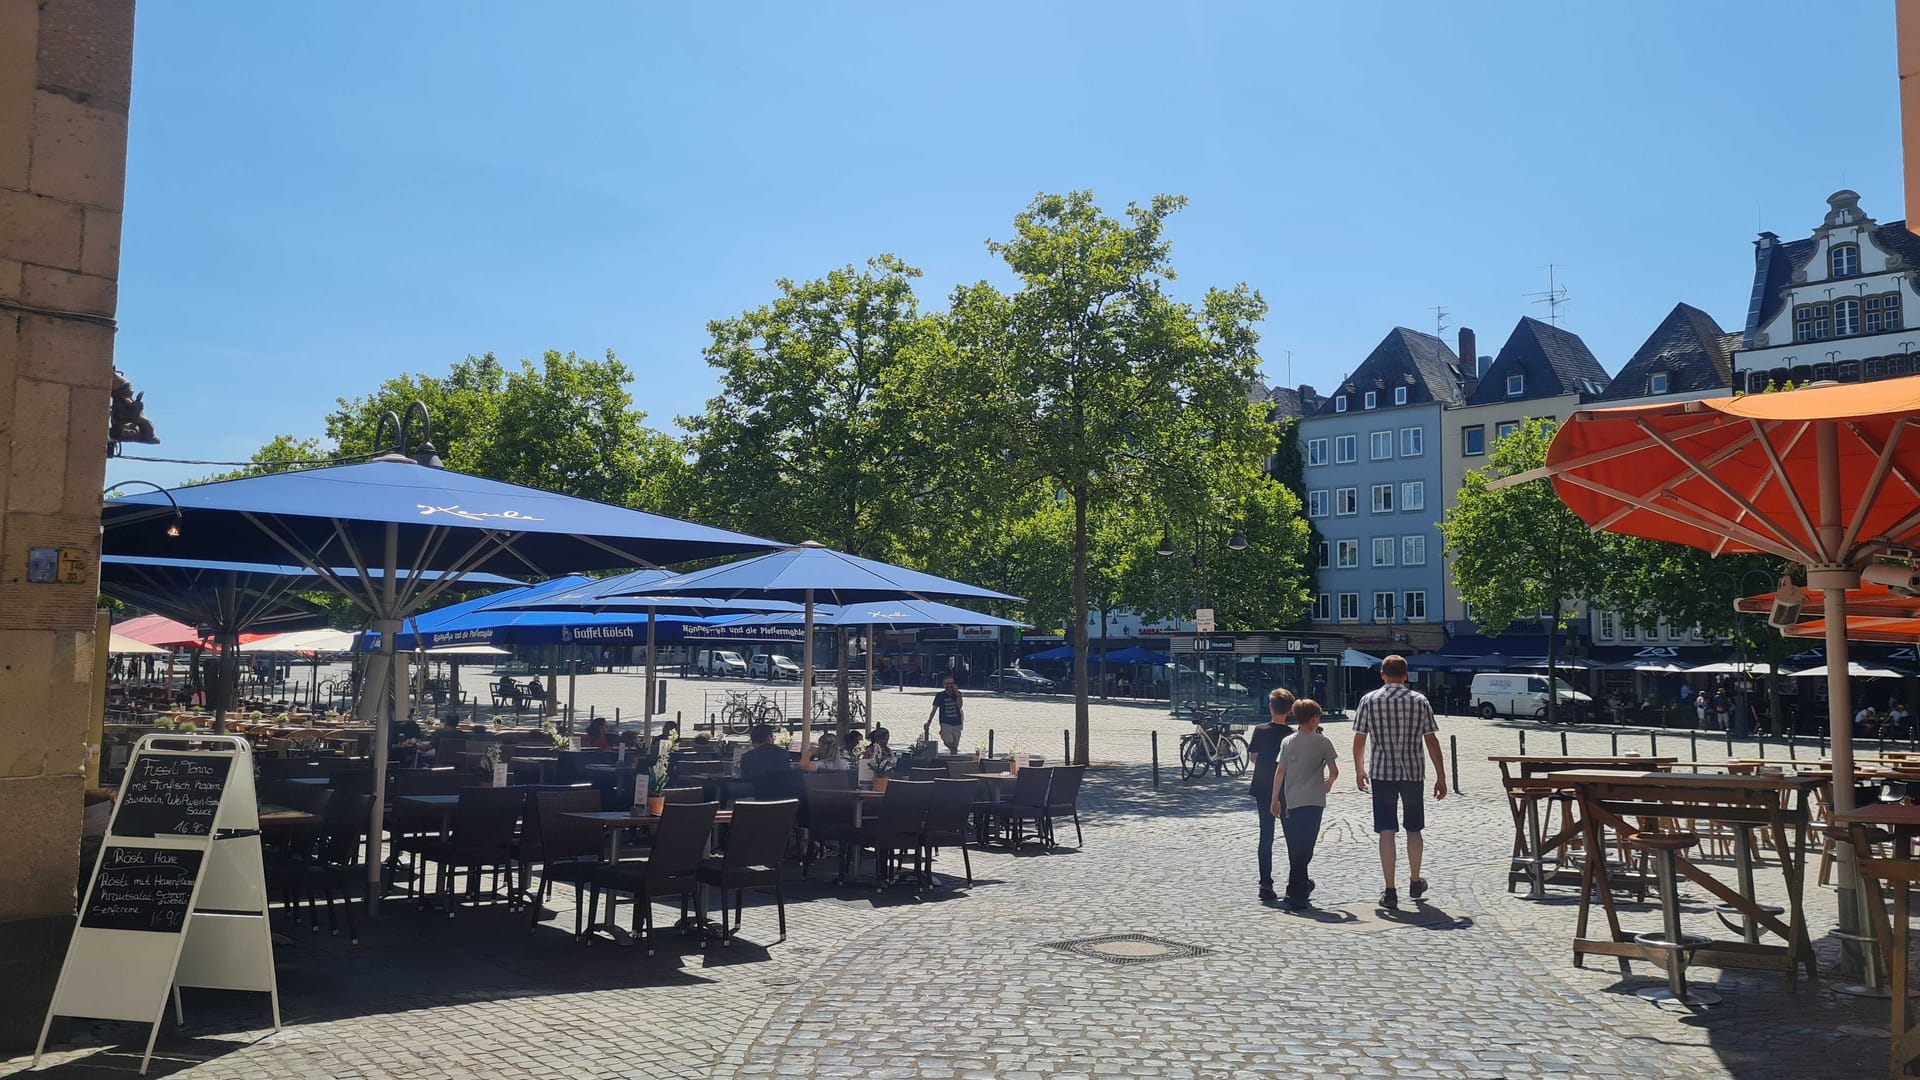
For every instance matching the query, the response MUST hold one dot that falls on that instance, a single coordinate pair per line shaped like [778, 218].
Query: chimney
[1467, 367]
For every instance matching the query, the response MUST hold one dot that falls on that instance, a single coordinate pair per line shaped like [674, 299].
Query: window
[1323, 606]
[1350, 606]
[1504, 429]
[1346, 448]
[1318, 502]
[1657, 383]
[1413, 551]
[1372, 399]
[1413, 441]
[1340, 403]
[1846, 318]
[1383, 498]
[1349, 552]
[1844, 260]
[1381, 445]
[1316, 451]
[1883, 313]
[1812, 322]
[1415, 606]
[1346, 501]
[1320, 555]
[1383, 551]
[1607, 625]
[1413, 495]
[1383, 607]
[1629, 631]
[1399, 395]
[1473, 440]
[1516, 384]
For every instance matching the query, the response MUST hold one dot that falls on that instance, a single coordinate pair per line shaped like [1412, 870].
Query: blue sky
[321, 196]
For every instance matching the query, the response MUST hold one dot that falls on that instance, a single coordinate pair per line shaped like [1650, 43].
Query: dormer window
[1843, 260]
[1516, 384]
[1371, 399]
[1340, 403]
[1657, 382]
[1399, 395]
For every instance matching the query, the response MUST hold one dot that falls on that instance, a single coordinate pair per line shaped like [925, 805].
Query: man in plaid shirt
[1399, 719]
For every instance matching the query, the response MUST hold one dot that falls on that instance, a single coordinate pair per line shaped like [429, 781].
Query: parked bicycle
[1213, 745]
[745, 708]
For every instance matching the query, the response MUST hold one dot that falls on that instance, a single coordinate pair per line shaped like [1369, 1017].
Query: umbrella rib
[1753, 539]
[370, 604]
[1780, 472]
[416, 584]
[451, 576]
[638, 562]
[302, 555]
[1871, 492]
[1699, 469]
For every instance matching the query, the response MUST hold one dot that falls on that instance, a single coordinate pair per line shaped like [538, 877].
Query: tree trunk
[1081, 726]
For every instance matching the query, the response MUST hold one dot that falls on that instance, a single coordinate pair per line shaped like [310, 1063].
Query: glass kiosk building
[1236, 671]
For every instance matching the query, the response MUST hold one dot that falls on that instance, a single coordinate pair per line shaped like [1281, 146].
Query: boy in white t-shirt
[1308, 766]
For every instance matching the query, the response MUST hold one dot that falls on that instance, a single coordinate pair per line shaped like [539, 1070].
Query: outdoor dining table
[1529, 797]
[615, 823]
[1778, 804]
[1899, 870]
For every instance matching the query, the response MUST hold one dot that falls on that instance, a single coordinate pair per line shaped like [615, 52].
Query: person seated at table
[405, 738]
[597, 736]
[449, 729]
[825, 756]
[853, 747]
[1863, 721]
[1898, 716]
[764, 758]
[509, 691]
[669, 735]
[879, 755]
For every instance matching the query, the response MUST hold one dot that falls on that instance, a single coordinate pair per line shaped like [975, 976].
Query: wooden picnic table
[1530, 799]
[1899, 870]
[1778, 804]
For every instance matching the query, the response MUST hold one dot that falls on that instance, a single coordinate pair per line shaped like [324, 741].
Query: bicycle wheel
[1193, 757]
[1233, 754]
[735, 719]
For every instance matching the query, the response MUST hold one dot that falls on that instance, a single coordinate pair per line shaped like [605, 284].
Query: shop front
[1237, 671]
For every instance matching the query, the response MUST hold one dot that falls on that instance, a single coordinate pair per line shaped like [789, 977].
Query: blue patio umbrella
[228, 599]
[1057, 654]
[396, 514]
[1137, 655]
[810, 573]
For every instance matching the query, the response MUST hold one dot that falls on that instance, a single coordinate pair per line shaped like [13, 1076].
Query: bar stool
[1679, 947]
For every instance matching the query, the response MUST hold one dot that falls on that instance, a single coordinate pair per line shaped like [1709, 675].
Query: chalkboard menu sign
[171, 795]
[142, 888]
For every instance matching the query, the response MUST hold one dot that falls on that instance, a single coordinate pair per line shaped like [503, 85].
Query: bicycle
[1212, 745]
[744, 709]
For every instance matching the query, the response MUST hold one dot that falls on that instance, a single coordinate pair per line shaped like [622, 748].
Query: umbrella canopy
[225, 597]
[1727, 667]
[891, 613]
[1855, 669]
[394, 514]
[1874, 613]
[1137, 655]
[1356, 659]
[518, 617]
[1484, 662]
[1575, 663]
[305, 641]
[1059, 653]
[159, 631]
[810, 573]
[129, 647]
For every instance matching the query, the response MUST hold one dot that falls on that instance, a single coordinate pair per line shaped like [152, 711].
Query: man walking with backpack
[1400, 720]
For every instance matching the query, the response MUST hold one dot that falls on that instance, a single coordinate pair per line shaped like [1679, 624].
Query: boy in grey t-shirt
[1306, 771]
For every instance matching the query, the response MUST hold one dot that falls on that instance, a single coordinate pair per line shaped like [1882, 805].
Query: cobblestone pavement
[957, 982]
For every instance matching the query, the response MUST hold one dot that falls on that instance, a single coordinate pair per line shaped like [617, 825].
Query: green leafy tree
[828, 422]
[280, 453]
[1262, 586]
[1097, 382]
[1517, 552]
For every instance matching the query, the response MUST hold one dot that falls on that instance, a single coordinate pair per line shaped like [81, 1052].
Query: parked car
[1521, 694]
[772, 666]
[720, 662]
[1019, 680]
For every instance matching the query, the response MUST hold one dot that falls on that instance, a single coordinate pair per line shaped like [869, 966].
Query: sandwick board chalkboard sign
[178, 896]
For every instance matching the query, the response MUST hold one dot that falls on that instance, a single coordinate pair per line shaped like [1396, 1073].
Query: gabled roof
[1551, 360]
[1689, 346]
[1776, 262]
[1420, 362]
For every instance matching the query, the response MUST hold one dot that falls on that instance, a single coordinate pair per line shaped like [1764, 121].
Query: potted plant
[1013, 758]
[657, 784]
[880, 764]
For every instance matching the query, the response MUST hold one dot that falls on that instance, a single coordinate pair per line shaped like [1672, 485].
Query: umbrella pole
[868, 725]
[646, 709]
[389, 627]
[806, 677]
[1833, 581]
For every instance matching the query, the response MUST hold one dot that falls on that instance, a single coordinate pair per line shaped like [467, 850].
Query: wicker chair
[756, 843]
[671, 868]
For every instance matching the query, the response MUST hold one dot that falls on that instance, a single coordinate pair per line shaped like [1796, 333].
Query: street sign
[1203, 620]
[1224, 643]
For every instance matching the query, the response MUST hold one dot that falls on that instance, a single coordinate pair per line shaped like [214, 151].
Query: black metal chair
[948, 814]
[826, 816]
[329, 868]
[756, 842]
[481, 838]
[1063, 800]
[1027, 803]
[895, 828]
[671, 869]
[565, 849]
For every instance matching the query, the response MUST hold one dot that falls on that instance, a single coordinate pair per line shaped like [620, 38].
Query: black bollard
[1453, 743]
[1616, 744]
[1066, 747]
[1156, 759]
[1823, 745]
[1653, 743]
[1563, 744]
[1760, 746]
[1523, 744]
[1729, 741]
[989, 742]
[1693, 745]
[1793, 752]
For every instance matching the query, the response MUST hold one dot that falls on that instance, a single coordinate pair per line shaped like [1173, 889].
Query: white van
[720, 662]
[1522, 694]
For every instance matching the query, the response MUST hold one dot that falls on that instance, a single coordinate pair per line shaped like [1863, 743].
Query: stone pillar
[65, 73]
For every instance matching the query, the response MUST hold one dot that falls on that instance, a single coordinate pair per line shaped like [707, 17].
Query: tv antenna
[1440, 321]
[1555, 296]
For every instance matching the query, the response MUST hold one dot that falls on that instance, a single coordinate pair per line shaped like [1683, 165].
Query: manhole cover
[1128, 948]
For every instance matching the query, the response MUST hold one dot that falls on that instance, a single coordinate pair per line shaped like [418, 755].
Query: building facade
[1835, 306]
[1373, 478]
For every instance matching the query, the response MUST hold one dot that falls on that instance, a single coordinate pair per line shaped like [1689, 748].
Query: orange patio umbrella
[1827, 477]
[1874, 613]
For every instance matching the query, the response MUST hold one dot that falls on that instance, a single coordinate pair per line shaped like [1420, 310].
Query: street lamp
[173, 527]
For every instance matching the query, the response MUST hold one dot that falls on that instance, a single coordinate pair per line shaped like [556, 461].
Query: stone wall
[65, 73]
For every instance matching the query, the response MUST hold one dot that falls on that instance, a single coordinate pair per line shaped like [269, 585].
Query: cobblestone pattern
[955, 983]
